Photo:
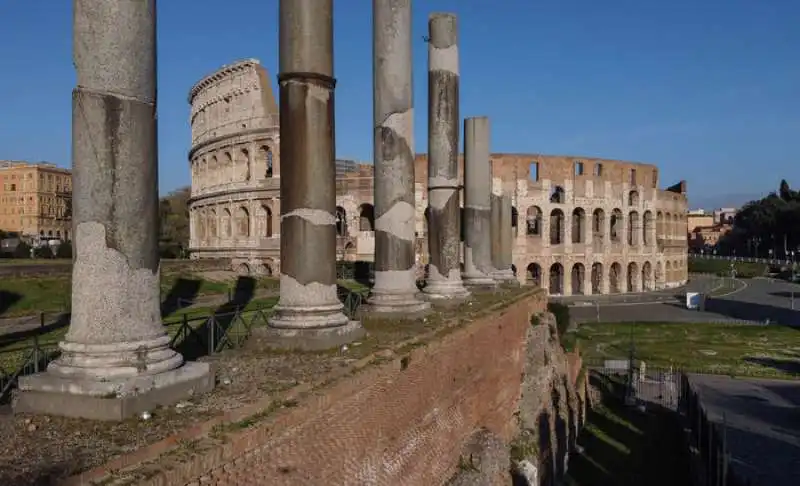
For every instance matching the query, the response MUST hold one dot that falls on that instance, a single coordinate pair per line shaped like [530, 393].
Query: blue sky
[708, 90]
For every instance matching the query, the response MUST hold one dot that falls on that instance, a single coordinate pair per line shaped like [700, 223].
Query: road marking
[744, 286]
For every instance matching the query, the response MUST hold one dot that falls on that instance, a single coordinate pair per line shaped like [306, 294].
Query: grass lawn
[723, 267]
[625, 447]
[26, 296]
[732, 349]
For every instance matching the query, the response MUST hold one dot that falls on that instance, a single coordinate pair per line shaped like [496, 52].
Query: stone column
[395, 290]
[309, 314]
[503, 238]
[477, 203]
[116, 359]
[444, 226]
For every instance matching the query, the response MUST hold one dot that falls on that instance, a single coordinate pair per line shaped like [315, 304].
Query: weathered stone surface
[444, 222]
[395, 289]
[484, 461]
[116, 344]
[308, 305]
[477, 204]
[501, 244]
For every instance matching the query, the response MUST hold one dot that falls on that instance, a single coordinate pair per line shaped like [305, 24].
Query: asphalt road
[762, 430]
[753, 300]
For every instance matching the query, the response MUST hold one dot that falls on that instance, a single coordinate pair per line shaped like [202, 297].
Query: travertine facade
[581, 225]
[235, 204]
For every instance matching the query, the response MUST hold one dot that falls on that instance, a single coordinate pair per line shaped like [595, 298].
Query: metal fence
[228, 327]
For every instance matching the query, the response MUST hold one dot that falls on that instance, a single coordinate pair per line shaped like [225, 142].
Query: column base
[445, 291]
[396, 305]
[479, 281]
[113, 398]
[505, 277]
[310, 338]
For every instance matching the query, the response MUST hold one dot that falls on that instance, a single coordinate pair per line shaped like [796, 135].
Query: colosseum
[582, 225]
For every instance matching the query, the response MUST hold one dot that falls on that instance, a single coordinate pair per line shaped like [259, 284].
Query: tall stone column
[444, 225]
[502, 238]
[115, 359]
[395, 290]
[309, 314]
[477, 203]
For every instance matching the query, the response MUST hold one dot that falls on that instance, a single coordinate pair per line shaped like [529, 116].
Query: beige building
[35, 199]
[581, 225]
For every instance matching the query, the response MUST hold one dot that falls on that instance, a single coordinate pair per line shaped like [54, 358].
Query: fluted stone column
[115, 359]
[477, 204]
[502, 239]
[309, 314]
[444, 225]
[395, 290]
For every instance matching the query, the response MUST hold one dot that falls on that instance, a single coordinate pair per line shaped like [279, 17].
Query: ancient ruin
[395, 289]
[444, 217]
[309, 314]
[116, 358]
[478, 265]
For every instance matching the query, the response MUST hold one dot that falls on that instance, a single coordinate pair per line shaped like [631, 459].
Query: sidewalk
[13, 325]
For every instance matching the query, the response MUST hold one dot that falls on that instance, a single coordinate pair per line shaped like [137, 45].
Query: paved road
[761, 418]
[753, 300]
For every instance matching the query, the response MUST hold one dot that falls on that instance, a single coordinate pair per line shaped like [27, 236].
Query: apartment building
[35, 200]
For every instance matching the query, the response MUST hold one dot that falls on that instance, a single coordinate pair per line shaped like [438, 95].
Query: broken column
[116, 359]
[444, 225]
[502, 239]
[309, 314]
[477, 204]
[395, 290]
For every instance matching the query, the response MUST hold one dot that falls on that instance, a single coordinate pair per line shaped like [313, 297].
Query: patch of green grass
[723, 267]
[731, 349]
[623, 446]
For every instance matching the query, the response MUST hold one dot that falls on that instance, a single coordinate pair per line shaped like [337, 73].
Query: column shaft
[395, 286]
[116, 344]
[503, 238]
[309, 313]
[477, 203]
[444, 226]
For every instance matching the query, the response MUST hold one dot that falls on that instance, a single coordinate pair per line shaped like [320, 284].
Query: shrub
[23, 250]
[44, 251]
[64, 250]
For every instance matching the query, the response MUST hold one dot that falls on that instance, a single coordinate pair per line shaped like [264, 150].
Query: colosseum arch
[668, 273]
[659, 275]
[244, 164]
[212, 223]
[633, 198]
[647, 277]
[243, 269]
[533, 221]
[659, 225]
[676, 229]
[578, 278]
[668, 225]
[533, 274]
[557, 195]
[214, 169]
[557, 229]
[366, 217]
[633, 277]
[341, 221]
[242, 222]
[267, 268]
[556, 279]
[616, 224]
[634, 228]
[578, 225]
[597, 278]
[598, 225]
[228, 167]
[226, 223]
[514, 221]
[647, 228]
[264, 161]
[201, 224]
[265, 218]
[614, 275]
[350, 252]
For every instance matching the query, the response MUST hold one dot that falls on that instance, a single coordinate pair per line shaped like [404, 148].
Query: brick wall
[401, 423]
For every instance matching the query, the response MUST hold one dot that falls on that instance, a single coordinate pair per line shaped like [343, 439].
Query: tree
[174, 223]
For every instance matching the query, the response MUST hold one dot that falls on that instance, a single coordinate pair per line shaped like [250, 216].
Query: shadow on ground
[623, 446]
[182, 294]
[210, 336]
[7, 300]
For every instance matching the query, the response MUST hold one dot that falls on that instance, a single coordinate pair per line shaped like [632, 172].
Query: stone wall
[409, 420]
